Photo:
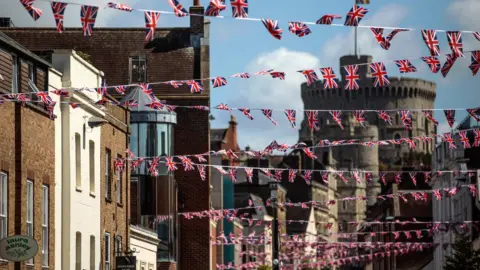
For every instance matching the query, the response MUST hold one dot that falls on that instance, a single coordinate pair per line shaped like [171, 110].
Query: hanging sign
[126, 262]
[18, 248]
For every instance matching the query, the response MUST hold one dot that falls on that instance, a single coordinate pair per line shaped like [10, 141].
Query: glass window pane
[142, 144]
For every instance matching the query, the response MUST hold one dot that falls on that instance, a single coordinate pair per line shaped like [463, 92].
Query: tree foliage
[264, 267]
[463, 255]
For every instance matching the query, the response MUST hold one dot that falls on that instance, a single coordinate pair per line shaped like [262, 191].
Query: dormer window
[138, 69]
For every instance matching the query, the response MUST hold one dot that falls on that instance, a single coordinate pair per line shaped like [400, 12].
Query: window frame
[108, 174]
[78, 161]
[108, 262]
[15, 73]
[118, 245]
[78, 250]
[91, 153]
[3, 205]
[30, 212]
[138, 59]
[119, 185]
[45, 227]
[92, 252]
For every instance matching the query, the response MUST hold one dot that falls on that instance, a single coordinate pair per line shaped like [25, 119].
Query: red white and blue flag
[88, 15]
[451, 58]
[310, 75]
[243, 75]
[450, 115]
[219, 82]
[352, 78]
[429, 116]
[329, 78]
[268, 114]
[379, 74]
[355, 15]
[327, 19]
[406, 118]
[337, 117]
[464, 139]
[194, 86]
[475, 64]
[405, 66]
[385, 42]
[239, 8]
[36, 13]
[121, 89]
[119, 6]
[455, 42]
[147, 90]
[312, 117]
[385, 117]
[432, 62]
[246, 112]
[151, 22]
[360, 117]
[299, 29]
[278, 74]
[179, 10]
[215, 7]
[292, 117]
[273, 28]
[477, 35]
[430, 38]
[58, 9]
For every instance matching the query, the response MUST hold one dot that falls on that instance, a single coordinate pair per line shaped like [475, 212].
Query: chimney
[197, 18]
[233, 127]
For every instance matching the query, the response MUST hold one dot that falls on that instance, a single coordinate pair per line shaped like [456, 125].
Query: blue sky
[238, 46]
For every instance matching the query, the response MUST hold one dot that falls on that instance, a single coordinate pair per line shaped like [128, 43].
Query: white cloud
[390, 15]
[263, 92]
[465, 13]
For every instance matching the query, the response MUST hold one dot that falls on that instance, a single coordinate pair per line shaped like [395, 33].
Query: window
[108, 175]
[138, 69]
[92, 252]
[344, 205]
[45, 204]
[91, 147]
[14, 74]
[30, 212]
[3, 205]
[78, 161]
[119, 185]
[78, 251]
[107, 251]
[118, 245]
[31, 73]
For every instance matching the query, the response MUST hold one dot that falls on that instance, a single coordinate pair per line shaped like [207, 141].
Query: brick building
[174, 54]
[27, 158]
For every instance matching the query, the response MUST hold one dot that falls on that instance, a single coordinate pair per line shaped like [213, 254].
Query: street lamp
[273, 200]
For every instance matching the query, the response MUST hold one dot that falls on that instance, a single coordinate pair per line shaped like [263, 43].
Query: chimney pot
[196, 3]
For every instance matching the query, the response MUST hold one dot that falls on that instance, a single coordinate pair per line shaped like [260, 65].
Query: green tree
[264, 267]
[463, 255]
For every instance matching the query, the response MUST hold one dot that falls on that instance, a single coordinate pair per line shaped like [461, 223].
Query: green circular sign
[18, 248]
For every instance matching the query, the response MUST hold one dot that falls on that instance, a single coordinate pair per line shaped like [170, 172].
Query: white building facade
[77, 163]
[144, 245]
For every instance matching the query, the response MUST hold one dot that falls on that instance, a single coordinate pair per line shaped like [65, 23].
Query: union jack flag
[50, 108]
[232, 172]
[327, 19]
[337, 117]
[61, 92]
[394, 33]
[378, 33]
[475, 65]
[380, 74]
[428, 176]
[299, 29]
[476, 142]
[464, 139]
[406, 118]
[329, 78]
[405, 66]
[292, 174]
[151, 21]
[356, 176]
[22, 98]
[360, 116]
[246, 112]
[58, 9]
[44, 97]
[413, 178]
[310, 75]
[74, 105]
[202, 172]
[455, 42]
[179, 10]
[383, 178]
[215, 7]
[147, 90]
[155, 105]
[477, 35]
[119, 6]
[278, 74]
[171, 166]
[88, 14]
[430, 38]
[291, 116]
[264, 72]
[153, 169]
[309, 153]
[312, 117]
[36, 13]
[249, 172]
[102, 101]
[239, 8]
[200, 158]
[121, 89]
[243, 75]
[203, 108]
[273, 28]
[450, 115]
[352, 77]
[131, 103]
[432, 62]
[119, 164]
[223, 107]
[194, 86]
[447, 137]
[175, 84]
[307, 176]
[437, 194]
[219, 82]
[448, 64]
[474, 113]
[398, 178]
[102, 90]
[429, 116]
[186, 163]
[268, 114]
[355, 15]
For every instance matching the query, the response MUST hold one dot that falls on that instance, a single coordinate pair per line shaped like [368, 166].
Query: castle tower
[402, 93]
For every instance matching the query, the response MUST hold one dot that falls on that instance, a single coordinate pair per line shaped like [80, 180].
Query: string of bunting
[88, 15]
